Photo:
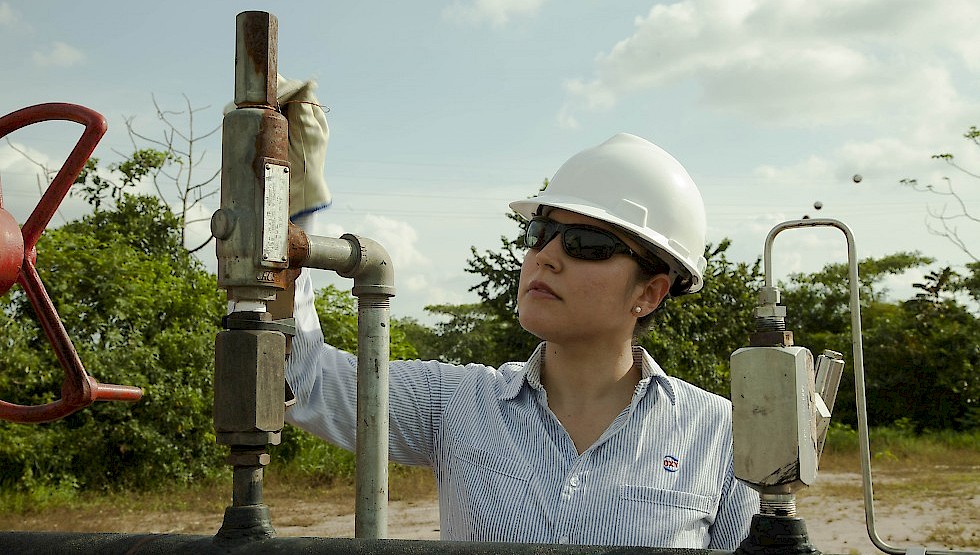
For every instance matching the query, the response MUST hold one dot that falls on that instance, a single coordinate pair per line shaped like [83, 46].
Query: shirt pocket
[668, 518]
[490, 493]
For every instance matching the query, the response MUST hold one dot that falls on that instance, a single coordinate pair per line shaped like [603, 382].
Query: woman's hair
[654, 265]
[645, 272]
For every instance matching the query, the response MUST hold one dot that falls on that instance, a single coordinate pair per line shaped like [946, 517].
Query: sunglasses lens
[588, 244]
[539, 232]
[579, 241]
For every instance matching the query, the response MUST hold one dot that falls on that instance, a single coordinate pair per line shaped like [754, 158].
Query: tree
[182, 145]
[140, 311]
[818, 303]
[919, 354]
[945, 221]
[172, 162]
[478, 333]
[922, 355]
[337, 311]
[694, 335]
[96, 189]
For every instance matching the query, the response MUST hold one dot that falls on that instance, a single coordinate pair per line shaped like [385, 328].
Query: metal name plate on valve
[275, 217]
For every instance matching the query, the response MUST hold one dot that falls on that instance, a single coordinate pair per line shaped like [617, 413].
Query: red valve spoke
[75, 383]
[78, 389]
[95, 128]
[33, 414]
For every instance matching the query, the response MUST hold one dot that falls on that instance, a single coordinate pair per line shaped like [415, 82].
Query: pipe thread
[770, 323]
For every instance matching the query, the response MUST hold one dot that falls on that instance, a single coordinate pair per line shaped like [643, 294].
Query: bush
[140, 311]
[304, 454]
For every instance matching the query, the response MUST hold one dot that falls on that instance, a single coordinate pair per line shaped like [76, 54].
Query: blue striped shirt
[660, 475]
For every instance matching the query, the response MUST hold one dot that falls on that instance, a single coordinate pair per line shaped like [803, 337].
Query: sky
[442, 112]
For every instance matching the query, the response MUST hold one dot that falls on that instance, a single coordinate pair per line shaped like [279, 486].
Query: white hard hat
[634, 184]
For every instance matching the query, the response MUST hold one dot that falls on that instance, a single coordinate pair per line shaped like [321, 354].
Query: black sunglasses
[584, 242]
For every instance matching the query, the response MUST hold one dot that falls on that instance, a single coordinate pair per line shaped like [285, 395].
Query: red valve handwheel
[17, 257]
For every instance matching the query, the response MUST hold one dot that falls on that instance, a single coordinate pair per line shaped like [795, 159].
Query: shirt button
[563, 539]
[574, 481]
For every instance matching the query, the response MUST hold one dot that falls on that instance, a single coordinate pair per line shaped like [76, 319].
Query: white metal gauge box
[773, 418]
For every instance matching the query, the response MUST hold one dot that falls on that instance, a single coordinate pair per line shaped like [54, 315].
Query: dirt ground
[908, 514]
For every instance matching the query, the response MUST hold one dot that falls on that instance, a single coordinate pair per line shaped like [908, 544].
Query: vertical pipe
[371, 508]
[251, 232]
[256, 58]
[369, 264]
[246, 486]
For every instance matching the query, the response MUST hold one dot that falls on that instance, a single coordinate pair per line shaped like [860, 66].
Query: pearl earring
[637, 309]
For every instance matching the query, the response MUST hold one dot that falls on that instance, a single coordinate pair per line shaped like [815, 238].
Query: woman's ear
[655, 290]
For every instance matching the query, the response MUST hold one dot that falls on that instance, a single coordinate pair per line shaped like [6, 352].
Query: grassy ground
[931, 484]
[197, 509]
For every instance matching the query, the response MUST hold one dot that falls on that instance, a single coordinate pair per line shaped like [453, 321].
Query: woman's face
[561, 298]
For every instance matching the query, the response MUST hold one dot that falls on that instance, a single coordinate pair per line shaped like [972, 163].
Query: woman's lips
[540, 288]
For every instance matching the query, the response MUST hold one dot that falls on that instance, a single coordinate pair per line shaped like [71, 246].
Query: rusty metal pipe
[251, 229]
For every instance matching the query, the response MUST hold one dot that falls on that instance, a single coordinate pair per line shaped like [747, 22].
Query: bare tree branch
[181, 142]
[48, 173]
[943, 222]
[201, 246]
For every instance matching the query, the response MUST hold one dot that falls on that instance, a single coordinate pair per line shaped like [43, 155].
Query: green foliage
[924, 369]
[819, 301]
[901, 441]
[478, 333]
[338, 319]
[305, 454]
[695, 335]
[841, 438]
[422, 337]
[971, 283]
[489, 330]
[919, 355]
[96, 189]
[140, 311]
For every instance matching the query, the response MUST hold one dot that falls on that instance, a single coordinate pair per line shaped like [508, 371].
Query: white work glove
[308, 137]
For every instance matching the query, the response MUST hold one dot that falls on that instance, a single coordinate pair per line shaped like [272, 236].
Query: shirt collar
[649, 371]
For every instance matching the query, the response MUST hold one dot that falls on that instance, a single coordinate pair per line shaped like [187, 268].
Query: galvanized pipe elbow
[351, 256]
[373, 273]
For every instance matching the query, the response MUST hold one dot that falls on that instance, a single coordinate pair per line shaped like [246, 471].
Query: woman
[588, 441]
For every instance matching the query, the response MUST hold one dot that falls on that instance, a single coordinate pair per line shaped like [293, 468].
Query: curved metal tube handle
[857, 347]
[78, 390]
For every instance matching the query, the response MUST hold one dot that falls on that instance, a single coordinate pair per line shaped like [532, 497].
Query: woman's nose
[550, 255]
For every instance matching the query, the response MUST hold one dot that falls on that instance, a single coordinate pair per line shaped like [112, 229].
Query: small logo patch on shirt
[671, 463]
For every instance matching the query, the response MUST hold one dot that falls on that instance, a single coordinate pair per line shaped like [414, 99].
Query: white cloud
[398, 237]
[59, 54]
[495, 12]
[400, 240]
[8, 17]
[789, 61]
